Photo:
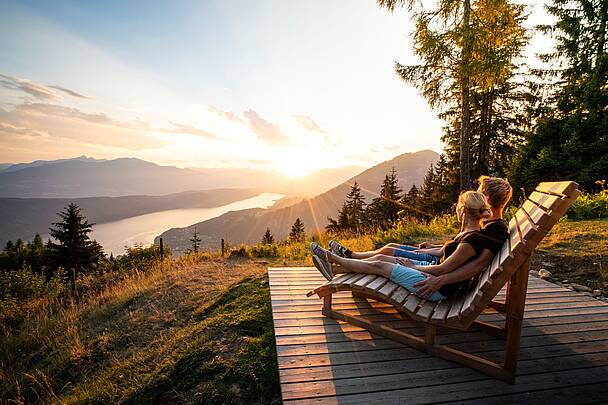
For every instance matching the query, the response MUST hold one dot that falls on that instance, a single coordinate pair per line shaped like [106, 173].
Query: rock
[542, 273]
[565, 281]
[547, 264]
[582, 288]
[534, 273]
[597, 293]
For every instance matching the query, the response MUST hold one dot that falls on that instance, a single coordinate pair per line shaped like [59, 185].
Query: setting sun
[297, 168]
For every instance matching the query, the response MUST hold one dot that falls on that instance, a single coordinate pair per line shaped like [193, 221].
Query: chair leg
[516, 301]
[429, 336]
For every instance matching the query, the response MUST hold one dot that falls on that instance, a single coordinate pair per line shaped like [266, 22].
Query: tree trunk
[465, 169]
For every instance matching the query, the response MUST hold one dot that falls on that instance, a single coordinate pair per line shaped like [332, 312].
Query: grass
[187, 331]
[577, 251]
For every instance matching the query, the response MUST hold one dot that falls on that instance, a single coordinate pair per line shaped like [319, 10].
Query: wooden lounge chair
[535, 217]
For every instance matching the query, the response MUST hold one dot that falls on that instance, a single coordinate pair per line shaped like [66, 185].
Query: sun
[299, 163]
[296, 168]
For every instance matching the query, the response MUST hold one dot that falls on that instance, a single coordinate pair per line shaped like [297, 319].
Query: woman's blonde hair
[474, 203]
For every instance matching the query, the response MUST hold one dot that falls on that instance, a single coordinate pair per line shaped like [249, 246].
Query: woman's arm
[463, 252]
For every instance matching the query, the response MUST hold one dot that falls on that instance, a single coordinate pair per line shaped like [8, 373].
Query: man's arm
[474, 267]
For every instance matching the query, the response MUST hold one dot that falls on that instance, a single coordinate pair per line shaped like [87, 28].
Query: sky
[293, 85]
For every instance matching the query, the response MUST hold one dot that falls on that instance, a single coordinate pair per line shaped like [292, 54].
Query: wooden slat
[426, 310]
[454, 312]
[377, 284]
[557, 187]
[398, 296]
[362, 282]
[411, 303]
[528, 229]
[540, 217]
[546, 201]
[388, 289]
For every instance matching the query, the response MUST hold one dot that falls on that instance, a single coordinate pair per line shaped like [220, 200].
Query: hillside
[188, 331]
[88, 177]
[24, 217]
[249, 225]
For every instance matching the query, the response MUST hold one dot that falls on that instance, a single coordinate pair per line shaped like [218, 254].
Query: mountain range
[88, 177]
[24, 217]
[248, 226]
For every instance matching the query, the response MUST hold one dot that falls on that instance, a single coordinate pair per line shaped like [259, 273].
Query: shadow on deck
[563, 356]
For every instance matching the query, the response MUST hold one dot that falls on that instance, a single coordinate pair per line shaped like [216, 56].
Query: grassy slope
[577, 251]
[196, 330]
[190, 332]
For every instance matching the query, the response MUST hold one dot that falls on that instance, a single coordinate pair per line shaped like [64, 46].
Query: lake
[142, 229]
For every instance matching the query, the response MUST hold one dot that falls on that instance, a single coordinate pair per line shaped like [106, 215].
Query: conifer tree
[71, 248]
[351, 217]
[383, 211]
[569, 138]
[297, 233]
[468, 73]
[195, 242]
[267, 239]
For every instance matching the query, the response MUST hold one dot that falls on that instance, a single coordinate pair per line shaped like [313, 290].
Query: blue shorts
[408, 252]
[407, 277]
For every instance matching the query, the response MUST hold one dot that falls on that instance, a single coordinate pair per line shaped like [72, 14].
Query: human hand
[404, 262]
[424, 245]
[427, 287]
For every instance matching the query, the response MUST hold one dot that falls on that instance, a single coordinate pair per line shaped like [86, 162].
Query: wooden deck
[563, 356]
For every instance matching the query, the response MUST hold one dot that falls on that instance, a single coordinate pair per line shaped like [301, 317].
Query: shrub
[263, 250]
[412, 229]
[590, 206]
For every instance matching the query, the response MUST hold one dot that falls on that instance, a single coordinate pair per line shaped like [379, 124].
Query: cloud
[71, 92]
[265, 130]
[188, 129]
[8, 128]
[68, 112]
[63, 124]
[36, 90]
[308, 123]
[229, 115]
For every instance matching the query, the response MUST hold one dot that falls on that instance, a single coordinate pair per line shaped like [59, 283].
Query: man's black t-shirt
[495, 232]
[477, 242]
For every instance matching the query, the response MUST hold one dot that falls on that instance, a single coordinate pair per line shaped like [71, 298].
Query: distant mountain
[8, 168]
[248, 226]
[88, 177]
[24, 217]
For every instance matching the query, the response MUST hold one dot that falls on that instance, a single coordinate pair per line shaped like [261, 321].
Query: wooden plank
[410, 304]
[388, 289]
[362, 282]
[426, 310]
[557, 187]
[546, 201]
[377, 284]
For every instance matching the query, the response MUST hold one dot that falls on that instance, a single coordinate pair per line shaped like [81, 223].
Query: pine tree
[569, 138]
[195, 242]
[351, 217]
[267, 239]
[72, 249]
[383, 211]
[37, 252]
[297, 233]
[467, 72]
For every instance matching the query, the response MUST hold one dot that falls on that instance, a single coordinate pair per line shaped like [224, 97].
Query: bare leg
[380, 268]
[385, 250]
[381, 258]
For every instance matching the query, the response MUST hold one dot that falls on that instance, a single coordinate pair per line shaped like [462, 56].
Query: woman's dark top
[477, 242]
[495, 232]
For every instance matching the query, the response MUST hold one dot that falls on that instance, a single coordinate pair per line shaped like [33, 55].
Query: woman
[464, 247]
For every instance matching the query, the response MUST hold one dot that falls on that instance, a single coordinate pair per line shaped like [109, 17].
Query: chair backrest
[534, 218]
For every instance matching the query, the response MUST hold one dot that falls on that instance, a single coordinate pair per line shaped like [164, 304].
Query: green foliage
[297, 233]
[351, 217]
[414, 230]
[267, 239]
[569, 139]
[195, 241]
[73, 248]
[265, 250]
[590, 206]
[383, 211]
[139, 258]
